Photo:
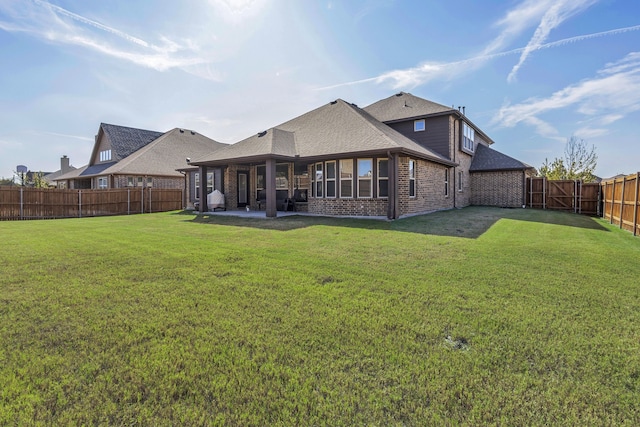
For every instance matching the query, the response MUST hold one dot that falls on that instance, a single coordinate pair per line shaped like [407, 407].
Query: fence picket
[18, 203]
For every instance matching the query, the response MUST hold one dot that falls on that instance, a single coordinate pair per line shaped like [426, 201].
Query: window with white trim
[319, 180]
[103, 183]
[469, 136]
[383, 178]
[446, 182]
[130, 182]
[105, 155]
[460, 175]
[196, 182]
[412, 178]
[139, 181]
[365, 178]
[330, 179]
[149, 181]
[418, 125]
[346, 178]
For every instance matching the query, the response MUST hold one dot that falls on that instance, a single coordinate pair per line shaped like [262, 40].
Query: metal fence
[43, 203]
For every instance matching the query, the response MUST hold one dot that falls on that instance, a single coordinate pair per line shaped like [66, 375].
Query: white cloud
[60, 26]
[610, 96]
[555, 13]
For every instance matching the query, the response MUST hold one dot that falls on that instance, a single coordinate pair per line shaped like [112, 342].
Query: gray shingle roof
[487, 159]
[335, 129]
[125, 140]
[404, 106]
[161, 157]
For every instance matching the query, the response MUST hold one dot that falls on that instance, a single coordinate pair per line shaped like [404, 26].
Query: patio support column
[203, 189]
[392, 207]
[271, 188]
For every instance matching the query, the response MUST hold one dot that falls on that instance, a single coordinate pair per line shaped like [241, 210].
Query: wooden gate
[564, 195]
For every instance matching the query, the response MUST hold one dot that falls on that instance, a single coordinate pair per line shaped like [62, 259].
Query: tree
[579, 162]
[39, 181]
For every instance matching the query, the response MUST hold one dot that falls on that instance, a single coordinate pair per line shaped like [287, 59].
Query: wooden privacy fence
[564, 195]
[44, 203]
[621, 204]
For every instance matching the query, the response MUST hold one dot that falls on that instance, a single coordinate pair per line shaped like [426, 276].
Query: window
[196, 181]
[468, 137]
[330, 179]
[412, 178]
[149, 181]
[102, 183]
[282, 176]
[418, 125]
[365, 177]
[130, 181]
[105, 155]
[319, 179]
[446, 183]
[383, 178]
[139, 181]
[460, 175]
[346, 178]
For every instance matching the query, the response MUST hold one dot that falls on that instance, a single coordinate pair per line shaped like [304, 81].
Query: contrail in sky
[439, 66]
[95, 24]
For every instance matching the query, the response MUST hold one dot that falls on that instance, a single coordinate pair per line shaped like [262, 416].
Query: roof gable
[404, 106]
[125, 140]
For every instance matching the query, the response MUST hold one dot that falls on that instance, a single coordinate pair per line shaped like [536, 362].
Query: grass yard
[477, 316]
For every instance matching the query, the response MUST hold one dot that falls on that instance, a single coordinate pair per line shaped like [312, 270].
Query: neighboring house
[128, 157]
[65, 168]
[400, 156]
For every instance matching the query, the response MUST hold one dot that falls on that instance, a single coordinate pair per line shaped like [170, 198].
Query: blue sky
[530, 73]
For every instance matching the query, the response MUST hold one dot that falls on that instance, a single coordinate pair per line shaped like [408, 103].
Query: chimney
[64, 164]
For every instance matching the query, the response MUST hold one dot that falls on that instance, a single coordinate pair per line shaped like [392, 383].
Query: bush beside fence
[621, 204]
[43, 203]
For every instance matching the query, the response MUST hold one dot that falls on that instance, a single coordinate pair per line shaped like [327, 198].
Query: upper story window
[418, 125]
[105, 155]
[469, 136]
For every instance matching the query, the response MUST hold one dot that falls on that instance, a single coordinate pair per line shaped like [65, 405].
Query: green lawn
[469, 317]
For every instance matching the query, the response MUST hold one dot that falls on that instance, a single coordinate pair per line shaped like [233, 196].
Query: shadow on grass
[470, 222]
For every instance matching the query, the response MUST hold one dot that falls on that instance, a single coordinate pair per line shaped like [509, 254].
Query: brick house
[129, 157]
[400, 156]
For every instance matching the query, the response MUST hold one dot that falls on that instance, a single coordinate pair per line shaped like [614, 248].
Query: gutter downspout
[184, 191]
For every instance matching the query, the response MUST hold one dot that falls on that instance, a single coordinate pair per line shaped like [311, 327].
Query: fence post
[624, 181]
[544, 193]
[128, 201]
[79, 203]
[635, 206]
[575, 195]
[141, 199]
[613, 192]
[21, 203]
[150, 205]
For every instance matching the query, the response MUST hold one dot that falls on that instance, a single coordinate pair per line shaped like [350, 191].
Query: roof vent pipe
[463, 107]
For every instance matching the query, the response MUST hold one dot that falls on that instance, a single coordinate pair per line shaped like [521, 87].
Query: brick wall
[504, 189]
[430, 194]
[463, 196]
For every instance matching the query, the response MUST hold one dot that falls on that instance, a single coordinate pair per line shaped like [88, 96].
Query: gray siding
[435, 136]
